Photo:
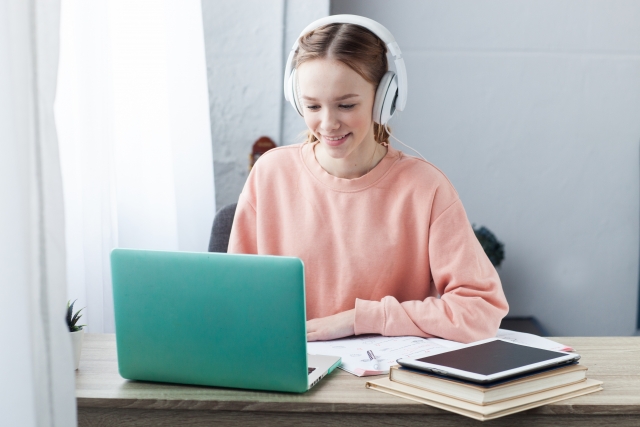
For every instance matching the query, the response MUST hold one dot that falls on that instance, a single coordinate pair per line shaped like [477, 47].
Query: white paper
[531, 340]
[387, 350]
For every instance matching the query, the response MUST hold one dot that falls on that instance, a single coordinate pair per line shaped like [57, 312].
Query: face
[337, 104]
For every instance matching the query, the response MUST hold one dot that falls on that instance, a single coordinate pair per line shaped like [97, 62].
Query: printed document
[387, 350]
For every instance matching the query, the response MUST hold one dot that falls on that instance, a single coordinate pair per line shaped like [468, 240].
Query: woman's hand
[331, 327]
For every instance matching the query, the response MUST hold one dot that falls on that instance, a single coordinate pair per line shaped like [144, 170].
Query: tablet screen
[491, 357]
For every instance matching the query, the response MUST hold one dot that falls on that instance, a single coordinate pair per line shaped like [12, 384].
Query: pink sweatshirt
[387, 243]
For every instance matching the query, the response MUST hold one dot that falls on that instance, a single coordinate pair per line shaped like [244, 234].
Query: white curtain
[37, 386]
[133, 119]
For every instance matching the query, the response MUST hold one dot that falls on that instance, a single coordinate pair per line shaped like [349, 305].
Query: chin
[339, 151]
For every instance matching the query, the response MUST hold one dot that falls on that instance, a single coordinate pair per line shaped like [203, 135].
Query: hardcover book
[485, 412]
[488, 394]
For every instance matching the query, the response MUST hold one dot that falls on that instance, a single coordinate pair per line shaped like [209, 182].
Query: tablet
[490, 360]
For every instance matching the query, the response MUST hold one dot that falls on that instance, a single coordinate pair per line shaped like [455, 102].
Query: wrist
[369, 317]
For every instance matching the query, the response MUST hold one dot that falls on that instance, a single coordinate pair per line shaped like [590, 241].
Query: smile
[335, 140]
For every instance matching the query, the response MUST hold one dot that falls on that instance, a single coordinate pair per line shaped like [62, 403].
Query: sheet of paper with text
[387, 350]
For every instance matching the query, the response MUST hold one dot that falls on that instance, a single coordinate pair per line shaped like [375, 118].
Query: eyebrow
[351, 95]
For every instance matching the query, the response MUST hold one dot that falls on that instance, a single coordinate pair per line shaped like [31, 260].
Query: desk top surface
[614, 360]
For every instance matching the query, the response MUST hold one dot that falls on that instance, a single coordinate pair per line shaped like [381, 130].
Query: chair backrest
[221, 229]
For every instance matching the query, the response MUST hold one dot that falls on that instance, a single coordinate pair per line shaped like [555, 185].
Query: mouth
[334, 141]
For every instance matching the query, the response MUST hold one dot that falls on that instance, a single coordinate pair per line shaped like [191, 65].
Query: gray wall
[246, 44]
[532, 109]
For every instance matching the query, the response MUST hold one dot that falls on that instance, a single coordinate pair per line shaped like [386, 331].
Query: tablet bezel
[479, 378]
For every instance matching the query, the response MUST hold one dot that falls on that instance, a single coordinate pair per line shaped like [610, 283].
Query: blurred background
[531, 108]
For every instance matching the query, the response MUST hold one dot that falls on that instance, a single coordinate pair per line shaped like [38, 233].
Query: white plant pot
[76, 341]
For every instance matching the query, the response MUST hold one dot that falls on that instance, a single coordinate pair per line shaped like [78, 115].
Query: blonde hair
[354, 46]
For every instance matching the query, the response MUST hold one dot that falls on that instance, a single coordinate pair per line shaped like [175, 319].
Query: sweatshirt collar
[344, 184]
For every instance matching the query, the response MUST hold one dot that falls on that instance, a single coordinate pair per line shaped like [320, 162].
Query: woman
[385, 240]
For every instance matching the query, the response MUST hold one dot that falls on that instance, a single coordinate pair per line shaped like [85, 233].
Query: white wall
[532, 109]
[246, 43]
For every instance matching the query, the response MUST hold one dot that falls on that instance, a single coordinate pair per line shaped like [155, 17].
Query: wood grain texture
[166, 418]
[105, 398]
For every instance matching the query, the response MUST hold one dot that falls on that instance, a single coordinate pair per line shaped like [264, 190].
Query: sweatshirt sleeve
[243, 237]
[471, 302]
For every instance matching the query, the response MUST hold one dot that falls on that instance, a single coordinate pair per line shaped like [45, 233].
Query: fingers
[313, 336]
[315, 333]
[317, 330]
[312, 326]
[331, 327]
[322, 335]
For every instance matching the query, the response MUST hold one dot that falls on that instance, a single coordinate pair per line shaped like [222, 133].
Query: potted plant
[491, 245]
[76, 331]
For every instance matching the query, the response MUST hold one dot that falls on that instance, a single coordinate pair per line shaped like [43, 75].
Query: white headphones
[391, 94]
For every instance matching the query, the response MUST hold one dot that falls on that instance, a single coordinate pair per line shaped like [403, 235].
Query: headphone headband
[371, 25]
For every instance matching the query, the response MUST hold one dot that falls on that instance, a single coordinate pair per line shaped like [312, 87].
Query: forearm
[453, 317]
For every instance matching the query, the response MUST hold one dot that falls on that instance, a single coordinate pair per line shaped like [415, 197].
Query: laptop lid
[210, 319]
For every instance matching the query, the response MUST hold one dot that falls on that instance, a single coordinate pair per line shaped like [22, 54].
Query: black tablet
[490, 360]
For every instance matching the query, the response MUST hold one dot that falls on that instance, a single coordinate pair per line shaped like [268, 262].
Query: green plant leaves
[72, 318]
[491, 245]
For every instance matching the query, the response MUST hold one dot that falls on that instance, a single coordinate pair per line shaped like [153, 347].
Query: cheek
[311, 121]
[360, 121]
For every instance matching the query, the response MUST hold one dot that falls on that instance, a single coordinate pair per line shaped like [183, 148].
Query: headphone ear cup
[384, 104]
[292, 93]
[389, 104]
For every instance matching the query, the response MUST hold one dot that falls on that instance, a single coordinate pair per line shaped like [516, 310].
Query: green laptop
[213, 319]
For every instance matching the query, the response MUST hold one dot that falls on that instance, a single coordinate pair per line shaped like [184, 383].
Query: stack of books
[486, 402]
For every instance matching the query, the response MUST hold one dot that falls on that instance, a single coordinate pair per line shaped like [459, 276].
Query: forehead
[328, 79]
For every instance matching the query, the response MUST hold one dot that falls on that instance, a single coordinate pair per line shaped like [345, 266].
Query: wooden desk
[106, 399]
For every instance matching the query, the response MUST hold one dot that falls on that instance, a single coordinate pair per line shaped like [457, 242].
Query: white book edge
[488, 396]
[486, 412]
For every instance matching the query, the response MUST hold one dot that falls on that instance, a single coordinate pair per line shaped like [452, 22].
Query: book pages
[486, 412]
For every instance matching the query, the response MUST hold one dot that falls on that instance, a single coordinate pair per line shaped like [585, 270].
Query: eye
[312, 107]
[347, 107]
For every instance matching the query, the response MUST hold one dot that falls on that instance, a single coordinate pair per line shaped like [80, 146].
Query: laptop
[213, 319]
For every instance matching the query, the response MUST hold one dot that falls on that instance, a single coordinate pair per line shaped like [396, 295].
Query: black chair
[221, 229]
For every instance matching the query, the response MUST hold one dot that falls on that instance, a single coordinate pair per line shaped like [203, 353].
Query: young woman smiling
[385, 240]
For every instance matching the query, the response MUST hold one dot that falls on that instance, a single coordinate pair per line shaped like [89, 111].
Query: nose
[329, 121]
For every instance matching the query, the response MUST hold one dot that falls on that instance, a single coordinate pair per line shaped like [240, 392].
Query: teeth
[335, 139]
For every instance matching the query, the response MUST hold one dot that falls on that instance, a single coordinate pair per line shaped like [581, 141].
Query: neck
[358, 163]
